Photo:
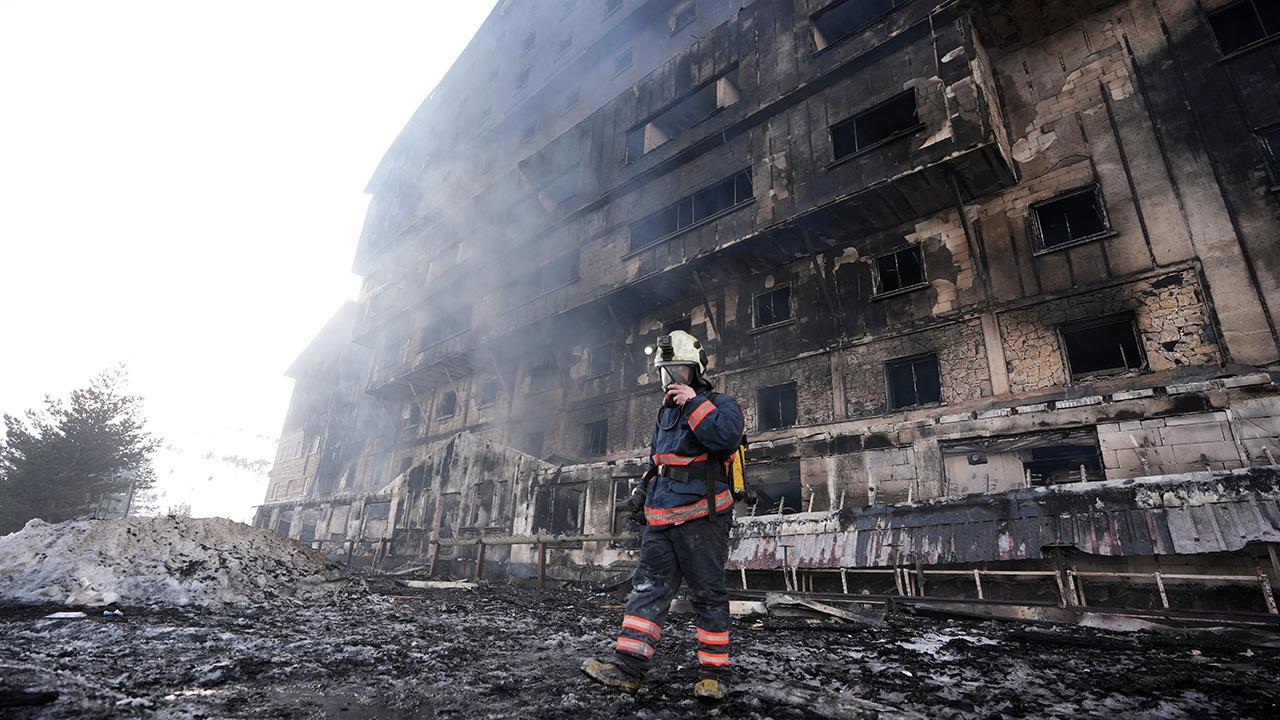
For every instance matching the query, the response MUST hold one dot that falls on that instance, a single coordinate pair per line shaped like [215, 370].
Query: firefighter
[688, 508]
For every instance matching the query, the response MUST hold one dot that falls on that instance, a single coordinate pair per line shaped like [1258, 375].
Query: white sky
[181, 189]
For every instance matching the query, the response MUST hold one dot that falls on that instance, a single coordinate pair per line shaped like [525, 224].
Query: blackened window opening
[845, 18]
[914, 381]
[595, 437]
[1058, 464]
[900, 270]
[773, 307]
[692, 210]
[1103, 348]
[777, 487]
[489, 391]
[683, 115]
[1244, 23]
[558, 509]
[541, 377]
[448, 404]
[600, 360]
[869, 128]
[1070, 218]
[777, 406]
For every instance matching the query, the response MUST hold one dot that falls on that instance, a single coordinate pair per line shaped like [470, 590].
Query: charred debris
[995, 282]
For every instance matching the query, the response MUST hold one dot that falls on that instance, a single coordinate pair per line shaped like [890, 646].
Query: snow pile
[162, 561]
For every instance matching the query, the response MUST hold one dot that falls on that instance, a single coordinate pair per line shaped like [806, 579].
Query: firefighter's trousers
[694, 552]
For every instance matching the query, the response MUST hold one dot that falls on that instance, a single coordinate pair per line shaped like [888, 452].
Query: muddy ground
[502, 652]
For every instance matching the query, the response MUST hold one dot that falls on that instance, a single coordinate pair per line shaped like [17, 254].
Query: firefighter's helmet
[680, 348]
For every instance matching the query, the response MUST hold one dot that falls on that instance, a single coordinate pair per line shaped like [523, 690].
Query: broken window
[1102, 347]
[1069, 218]
[777, 406]
[773, 307]
[541, 377]
[683, 14]
[913, 381]
[888, 120]
[622, 62]
[489, 392]
[845, 18]
[559, 508]
[595, 437]
[415, 416]
[901, 270]
[684, 114]
[1244, 23]
[996, 464]
[702, 206]
[448, 404]
[600, 360]
[777, 487]
[282, 527]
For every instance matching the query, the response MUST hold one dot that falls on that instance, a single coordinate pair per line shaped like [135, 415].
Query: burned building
[996, 283]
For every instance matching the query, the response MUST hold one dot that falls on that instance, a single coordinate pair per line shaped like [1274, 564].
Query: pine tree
[71, 457]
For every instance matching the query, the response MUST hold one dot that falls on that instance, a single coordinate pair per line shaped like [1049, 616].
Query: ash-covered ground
[502, 652]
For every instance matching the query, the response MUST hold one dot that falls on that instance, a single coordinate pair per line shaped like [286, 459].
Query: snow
[207, 562]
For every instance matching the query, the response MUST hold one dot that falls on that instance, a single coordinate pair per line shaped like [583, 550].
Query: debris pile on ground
[208, 562]
[501, 652]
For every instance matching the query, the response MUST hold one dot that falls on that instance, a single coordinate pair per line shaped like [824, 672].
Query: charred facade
[941, 252]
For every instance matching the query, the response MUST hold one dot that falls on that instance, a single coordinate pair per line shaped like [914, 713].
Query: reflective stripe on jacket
[705, 430]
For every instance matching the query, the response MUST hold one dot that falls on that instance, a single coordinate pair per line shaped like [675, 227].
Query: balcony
[434, 365]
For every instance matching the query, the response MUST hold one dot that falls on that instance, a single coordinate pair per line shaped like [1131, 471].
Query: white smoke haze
[182, 191]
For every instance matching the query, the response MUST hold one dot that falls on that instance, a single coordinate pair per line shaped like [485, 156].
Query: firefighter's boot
[606, 673]
[710, 689]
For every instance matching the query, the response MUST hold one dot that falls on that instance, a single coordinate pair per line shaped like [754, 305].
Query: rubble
[210, 562]
[500, 652]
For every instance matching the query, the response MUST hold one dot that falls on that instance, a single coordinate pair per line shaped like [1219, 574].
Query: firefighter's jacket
[703, 436]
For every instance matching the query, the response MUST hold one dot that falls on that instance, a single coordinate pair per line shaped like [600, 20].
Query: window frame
[1266, 39]
[1036, 229]
[480, 401]
[911, 360]
[791, 307]
[795, 394]
[1063, 329]
[878, 293]
[589, 449]
[813, 24]
[693, 225]
[680, 9]
[630, 54]
[453, 410]
[1270, 153]
[853, 119]
[591, 360]
[729, 76]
